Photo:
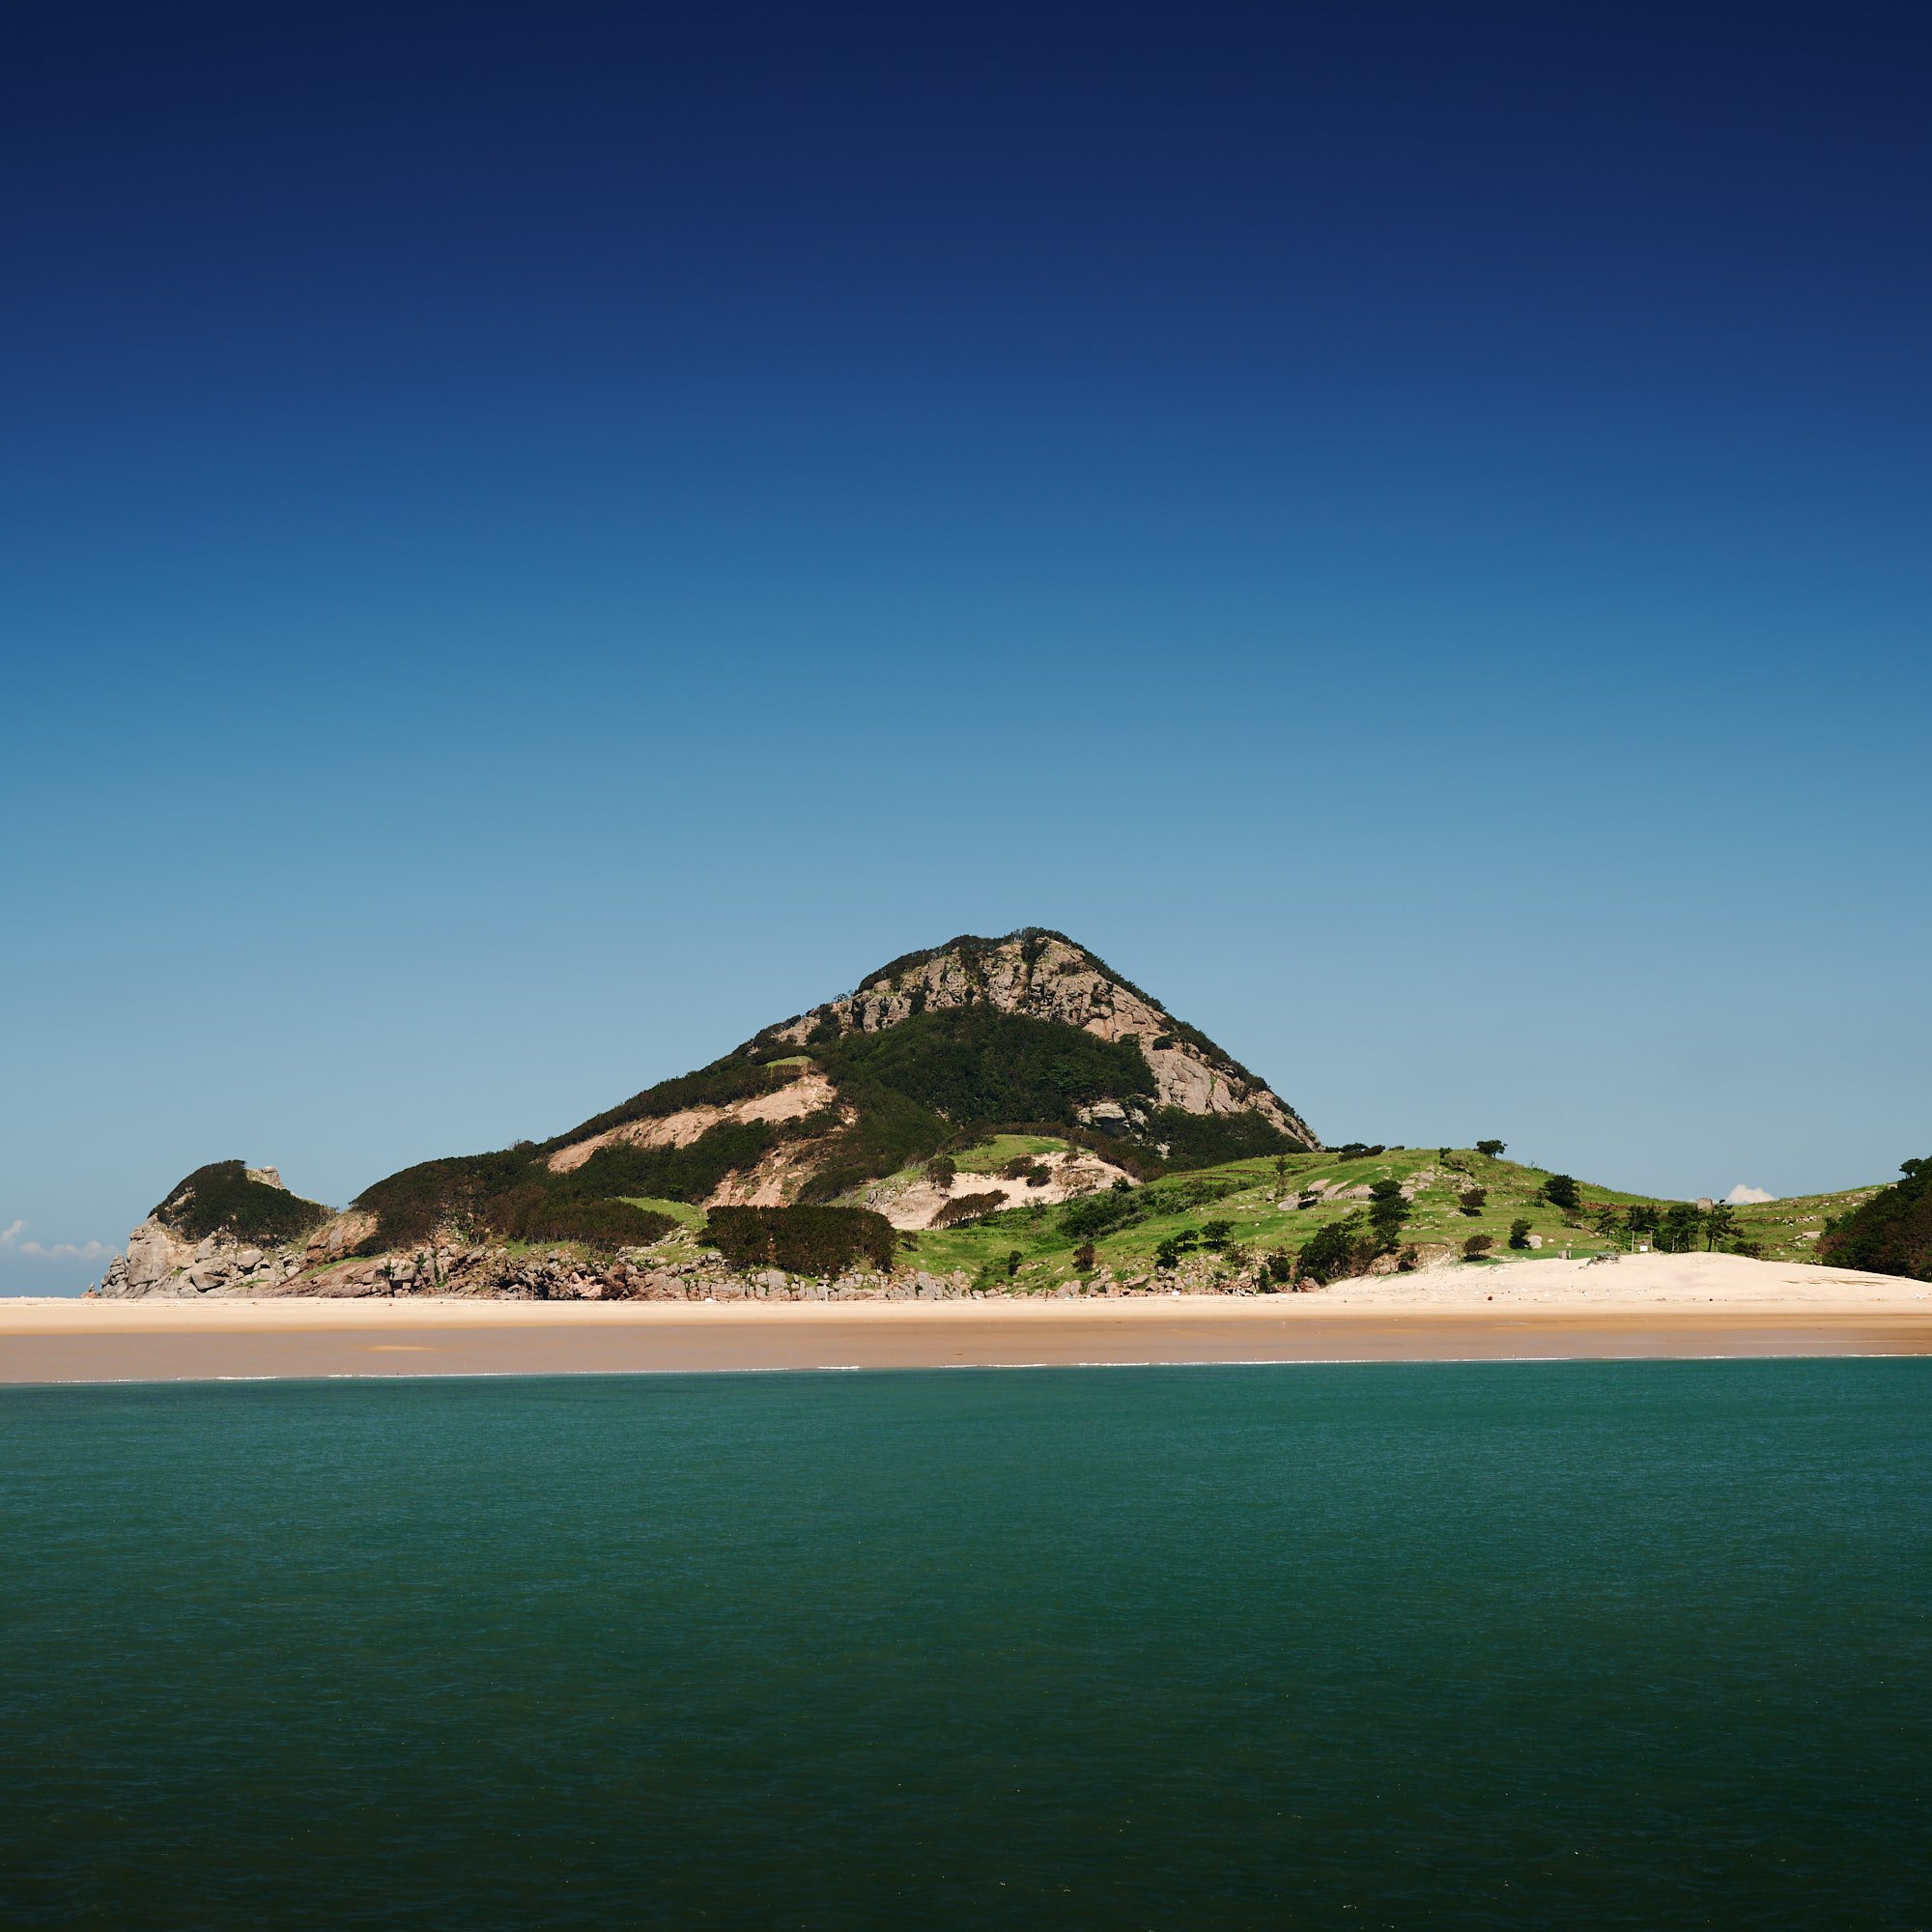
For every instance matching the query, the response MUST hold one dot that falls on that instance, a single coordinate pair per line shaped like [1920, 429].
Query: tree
[1341, 1249]
[1560, 1191]
[1083, 1257]
[1720, 1226]
[1167, 1257]
[1640, 1218]
[1280, 1168]
[1013, 1261]
[1678, 1229]
[1470, 1200]
[1518, 1233]
[1387, 1211]
[1891, 1232]
[1494, 1149]
[1477, 1244]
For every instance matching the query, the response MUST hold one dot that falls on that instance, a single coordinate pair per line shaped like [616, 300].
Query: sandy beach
[1651, 1305]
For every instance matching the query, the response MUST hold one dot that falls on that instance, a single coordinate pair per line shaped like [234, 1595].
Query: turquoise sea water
[1625, 1644]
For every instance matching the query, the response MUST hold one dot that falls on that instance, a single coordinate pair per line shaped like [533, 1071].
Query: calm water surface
[1608, 1644]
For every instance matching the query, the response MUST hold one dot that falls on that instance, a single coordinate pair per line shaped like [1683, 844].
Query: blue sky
[535, 543]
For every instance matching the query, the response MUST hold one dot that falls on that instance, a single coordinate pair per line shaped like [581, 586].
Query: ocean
[1642, 1644]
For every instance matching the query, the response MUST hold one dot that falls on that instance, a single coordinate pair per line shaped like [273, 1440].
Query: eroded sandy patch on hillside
[805, 1095]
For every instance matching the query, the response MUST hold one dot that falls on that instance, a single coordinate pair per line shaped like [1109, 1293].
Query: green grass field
[1260, 1203]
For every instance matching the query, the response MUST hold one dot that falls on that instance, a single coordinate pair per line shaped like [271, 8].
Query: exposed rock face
[1044, 975]
[159, 1261]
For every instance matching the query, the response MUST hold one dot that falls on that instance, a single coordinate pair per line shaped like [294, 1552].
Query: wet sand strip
[674, 1342]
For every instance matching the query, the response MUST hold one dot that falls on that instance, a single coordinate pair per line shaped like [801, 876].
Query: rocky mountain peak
[1045, 974]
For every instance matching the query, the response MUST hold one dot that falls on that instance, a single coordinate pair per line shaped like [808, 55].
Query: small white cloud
[61, 1251]
[1742, 1196]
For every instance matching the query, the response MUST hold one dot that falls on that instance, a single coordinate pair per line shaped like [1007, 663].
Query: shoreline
[1694, 1307]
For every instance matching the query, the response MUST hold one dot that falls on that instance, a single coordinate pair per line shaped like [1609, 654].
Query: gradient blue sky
[535, 540]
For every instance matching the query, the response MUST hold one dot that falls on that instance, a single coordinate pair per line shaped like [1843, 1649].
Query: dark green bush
[1341, 1249]
[410, 1206]
[687, 1173]
[964, 1207]
[220, 1199]
[800, 1240]
[1096, 1214]
[1891, 1233]
[1560, 1191]
[1477, 1244]
[537, 1215]
[1208, 1140]
[1519, 1235]
[978, 1066]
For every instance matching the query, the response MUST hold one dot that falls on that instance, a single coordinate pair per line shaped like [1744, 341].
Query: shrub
[964, 1207]
[1470, 1200]
[1560, 1191]
[1210, 1140]
[410, 1206]
[221, 1198]
[977, 1065]
[1278, 1267]
[1342, 1248]
[1477, 1244]
[1013, 1261]
[1891, 1232]
[800, 1240]
[1519, 1235]
[1215, 1234]
[1167, 1257]
[537, 1214]
[686, 1173]
[1084, 1257]
[1096, 1214]
[942, 1172]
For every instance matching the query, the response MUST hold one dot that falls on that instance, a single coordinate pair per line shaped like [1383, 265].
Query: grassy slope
[1265, 1215]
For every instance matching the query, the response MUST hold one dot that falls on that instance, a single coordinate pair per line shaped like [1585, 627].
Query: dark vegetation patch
[221, 1198]
[736, 1077]
[800, 1240]
[1208, 1140]
[684, 1173]
[1096, 1214]
[1891, 1233]
[978, 1066]
[539, 1214]
[891, 1131]
[410, 1206]
[964, 1207]
[1341, 1249]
